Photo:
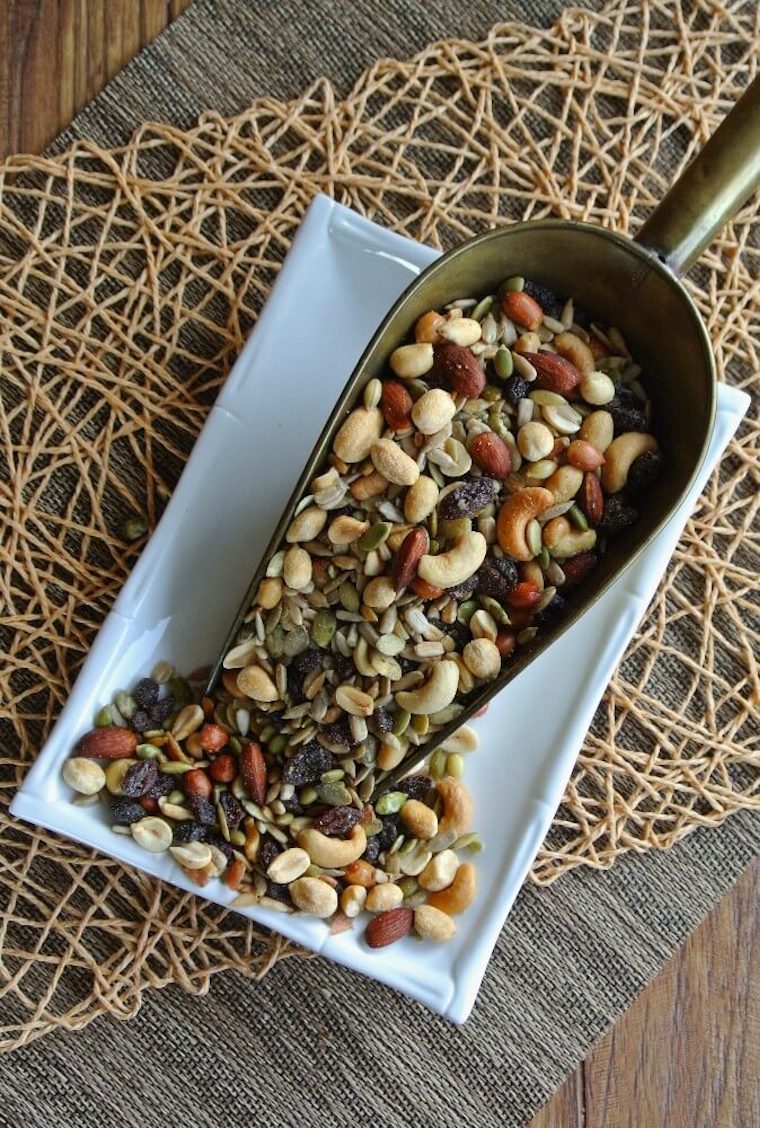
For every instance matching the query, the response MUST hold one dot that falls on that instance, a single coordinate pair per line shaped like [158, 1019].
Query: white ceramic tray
[339, 279]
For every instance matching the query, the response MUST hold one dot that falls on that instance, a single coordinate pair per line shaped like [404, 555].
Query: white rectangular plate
[186, 588]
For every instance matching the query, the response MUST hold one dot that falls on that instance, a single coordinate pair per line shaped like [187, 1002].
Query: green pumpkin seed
[126, 705]
[408, 886]
[498, 424]
[455, 528]
[296, 641]
[495, 609]
[401, 722]
[275, 643]
[373, 390]
[323, 629]
[420, 723]
[333, 776]
[483, 307]
[491, 393]
[334, 794]
[307, 796]
[277, 744]
[503, 363]
[455, 765]
[544, 559]
[516, 282]
[147, 752]
[373, 827]
[391, 802]
[176, 767]
[434, 548]
[237, 838]
[267, 733]
[533, 535]
[578, 518]
[176, 797]
[180, 691]
[469, 842]
[466, 611]
[236, 745]
[349, 597]
[438, 764]
[443, 716]
[374, 536]
[104, 717]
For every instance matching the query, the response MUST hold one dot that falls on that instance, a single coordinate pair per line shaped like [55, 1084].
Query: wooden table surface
[687, 1052]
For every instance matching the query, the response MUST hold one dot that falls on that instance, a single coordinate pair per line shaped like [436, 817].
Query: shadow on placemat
[129, 279]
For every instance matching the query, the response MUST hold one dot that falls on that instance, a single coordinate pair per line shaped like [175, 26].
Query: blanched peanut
[439, 872]
[353, 899]
[152, 833]
[257, 684]
[307, 525]
[421, 499]
[482, 658]
[289, 865]
[270, 592]
[354, 701]
[345, 530]
[85, 776]
[420, 819]
[431, 923]
[379, 593]
[380, 898]
[535, 441]
[465, 739]
[393, 463]
[433, 410]
[313, 896]
[597, 388]
[426, 329]
[296, 568]
[412, 361]
[363, 427]
[463, 331]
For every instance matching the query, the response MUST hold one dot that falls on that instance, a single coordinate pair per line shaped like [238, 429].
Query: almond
[388, 927]
[522, 308]
[110, 743]
[459, 370]
[555, 373]
[491, 454]
[577, 568]
[396, 405]
[253, 771]
[591, 499]
[413, 547]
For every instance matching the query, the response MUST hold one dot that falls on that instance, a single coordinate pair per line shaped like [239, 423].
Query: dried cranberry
[139, 779]
[124, 812]
[467, 499]
[268, 851]
[514, 389]
[337, 821]
[307, 661]
[644, 471]
[545, 297]
[162, 710]
[188, 831]
[203, 810]
[234, 812]
[618, 515]
[146, 693]
[497, 577]
[416, 786]
[627, 418]
[141, 721]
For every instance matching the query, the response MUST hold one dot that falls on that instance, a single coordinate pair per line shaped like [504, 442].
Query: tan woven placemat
[129, 279]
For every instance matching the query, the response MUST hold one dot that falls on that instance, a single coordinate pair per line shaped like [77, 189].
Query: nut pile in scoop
[472, 487]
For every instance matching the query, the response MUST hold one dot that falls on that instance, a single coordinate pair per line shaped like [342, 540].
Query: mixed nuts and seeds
[477, 482]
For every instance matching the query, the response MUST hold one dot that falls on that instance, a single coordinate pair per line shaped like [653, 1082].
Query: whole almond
[110, 743]
[253, 771]
[522, 308]
[591, 499]
[554, 373]
[396, 405]
[584, 455]
[388, 927]
[491, 454]
[457, 368]
[413, 548]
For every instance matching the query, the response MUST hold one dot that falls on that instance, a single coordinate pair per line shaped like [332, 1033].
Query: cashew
[411, 361]
[307, 525]
[597, 388]
[457, 806]
[363, 427]
[464, 331]
[576, 351]
[380, 898]
[598, 428]
[482, 658]
[564, 541]
[440, 871]
[296, 568]
[460, 894]
[345, 529]
[421, 499]
[465, 739]
[84, 776]
[535, 441]
[564, 483]
[257, 684]
[458, 564]
[313, 896]
[620, 454]
[393, 463]
[420, 819]
[434, 694]
[514, 517]
[431, 923]
[433, 410]
[333, 853]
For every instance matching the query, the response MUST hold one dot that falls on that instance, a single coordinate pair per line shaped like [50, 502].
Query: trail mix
[474, 486]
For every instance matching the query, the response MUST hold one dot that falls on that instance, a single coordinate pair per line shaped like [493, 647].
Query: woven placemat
[130, 277]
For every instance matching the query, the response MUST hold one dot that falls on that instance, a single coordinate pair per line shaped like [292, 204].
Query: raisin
[496, 577]
[381, 721]
[141, 721]
[162, 785]
[292, 804]
[515, 389]
[627, 418]
[460, 632]
[215, 839]
[139, 779]
[188, 831]
[343, 666]
[644, 471]
[268, 851]
[234, 812]
[618, 515]
[461, 591]
[468, 499]
[124, 812]
[146, 693]
[278, 892]
[307, 661]
[372, 852]
[389, 833]
[338, 821]
[162, 710]
[339, 732]
[307, 765]
[203, 810]
[295, 686]
[546, 614]
[545, 297]
[416, 786]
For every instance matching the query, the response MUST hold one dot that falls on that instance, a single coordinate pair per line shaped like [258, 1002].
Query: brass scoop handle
[721, 178]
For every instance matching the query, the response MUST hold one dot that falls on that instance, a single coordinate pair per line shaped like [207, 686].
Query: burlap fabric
[129, 277]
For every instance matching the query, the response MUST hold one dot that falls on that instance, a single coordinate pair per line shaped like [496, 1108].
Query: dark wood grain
[687, 1052]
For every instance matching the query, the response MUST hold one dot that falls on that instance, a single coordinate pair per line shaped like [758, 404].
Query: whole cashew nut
[564, 483]
[457, 806]
[333, 853]
[433, 695]
[460, 894]
[515, 515]
[563, 540]
[620, 454]
[460, 562]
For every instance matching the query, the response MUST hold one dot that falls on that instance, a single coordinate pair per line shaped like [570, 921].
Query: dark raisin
[146, 693]
[343, 666]
[467, 499]
[141, 721]
[389, 833]
[626, 418]
[295, 686]
[215, 839]
[338, 821]
[268, 852]
[139, 779]
[278, 892]
[307, 765]
[234, 812]
[292, 804]
[381, 721]
[496, 577]
[545, 297]
[203, 810]
[162, 785]
[307, 661]
[188, 831]
[618, 515]
[515, 389]
[416, 786]
[162, 710]
[461, 591]
[551, 610]
[459, 632]
[339, 732]
[124, 812]
[372, 851]
[644, 471]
